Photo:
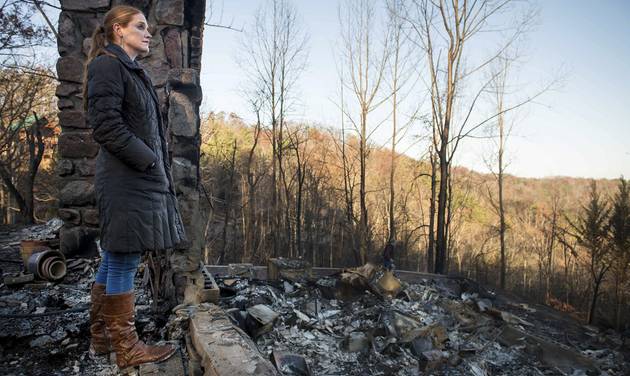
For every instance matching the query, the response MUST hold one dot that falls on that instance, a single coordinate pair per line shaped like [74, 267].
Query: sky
[581, 128]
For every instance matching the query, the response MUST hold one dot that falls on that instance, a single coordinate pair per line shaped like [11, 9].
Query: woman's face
[135, 37]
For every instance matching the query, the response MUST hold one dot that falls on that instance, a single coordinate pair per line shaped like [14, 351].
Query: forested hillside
[318, 214]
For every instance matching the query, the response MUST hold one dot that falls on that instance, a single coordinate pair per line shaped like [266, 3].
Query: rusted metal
[49, 265]
[30, 246]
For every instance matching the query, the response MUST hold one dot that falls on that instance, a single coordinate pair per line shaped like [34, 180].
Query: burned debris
[366, 321]
[44, 320]
[291, 319]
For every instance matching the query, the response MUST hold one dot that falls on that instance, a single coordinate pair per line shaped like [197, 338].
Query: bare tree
[18, 34]
[26, 102]
[275, 49]
[400, 80]
[499, 132]
[431, 240]
[231, 171]
[348, 171]
[214, 16]
[444, 29]
[298, 143]
[365, 64]
[250, 227]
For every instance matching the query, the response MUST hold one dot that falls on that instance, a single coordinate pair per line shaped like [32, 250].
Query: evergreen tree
[620, 244]
[591, 232]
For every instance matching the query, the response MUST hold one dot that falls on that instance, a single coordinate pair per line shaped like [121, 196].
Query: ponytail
[103, 35]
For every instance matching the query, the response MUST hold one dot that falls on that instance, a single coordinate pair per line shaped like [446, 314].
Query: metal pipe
[49, 265]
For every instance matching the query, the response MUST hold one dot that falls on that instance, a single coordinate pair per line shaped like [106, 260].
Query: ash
[345, 323]
[44, 326]
[433, 326]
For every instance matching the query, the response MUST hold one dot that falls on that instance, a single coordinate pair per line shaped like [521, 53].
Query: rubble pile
[44, 326]
[349, 324]
[359, 321]
[11, 236]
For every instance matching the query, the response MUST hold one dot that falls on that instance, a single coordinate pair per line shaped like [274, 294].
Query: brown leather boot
[99, 341]
[118, 312]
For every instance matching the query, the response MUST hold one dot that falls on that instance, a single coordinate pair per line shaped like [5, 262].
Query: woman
[133, 181]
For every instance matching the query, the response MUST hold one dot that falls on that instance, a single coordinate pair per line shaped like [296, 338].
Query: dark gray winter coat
[138, 209]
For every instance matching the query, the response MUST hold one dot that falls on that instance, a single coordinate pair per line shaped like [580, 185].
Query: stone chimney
[174, 63]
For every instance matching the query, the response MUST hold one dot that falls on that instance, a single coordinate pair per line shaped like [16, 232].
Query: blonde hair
[104, 34]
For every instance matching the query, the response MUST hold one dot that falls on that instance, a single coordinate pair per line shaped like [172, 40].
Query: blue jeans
[117, 271]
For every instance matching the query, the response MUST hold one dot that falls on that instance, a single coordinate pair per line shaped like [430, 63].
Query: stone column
[173, 63]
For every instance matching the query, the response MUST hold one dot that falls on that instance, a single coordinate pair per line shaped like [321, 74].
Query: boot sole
[135, 369]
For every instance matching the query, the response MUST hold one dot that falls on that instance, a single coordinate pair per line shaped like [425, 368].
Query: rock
[173, 47]
[484, 304]
[78, 241]
[84, 4]
[189, 207]
[72, 119]
[155, 64]
[65, 103]
[90, 216]
[66, 89]
[77, 193]
[178, 78]
[86, 167]
[59, 333]
[182, 147]
[65, 167]
[182, 115]
[184, 173]
[70, 215]
[42, 341]
[68, 34]
[66, 28]
[70, 68]
[87, 23]
[170, 12]
[77, 145]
